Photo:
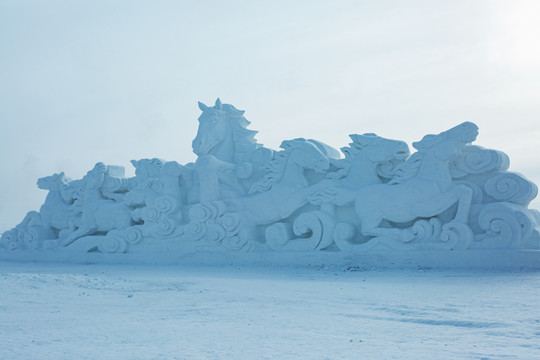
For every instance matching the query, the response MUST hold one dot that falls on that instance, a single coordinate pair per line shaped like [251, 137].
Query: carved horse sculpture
[369, 157]
[422, 189]
[227, 151]
[274, 197]
[57, 210]
[98, 214]
[366, 160]
[148, 186]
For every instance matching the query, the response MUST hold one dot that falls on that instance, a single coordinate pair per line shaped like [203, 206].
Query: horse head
[447, 145]
[223, 124]
[94, 178]
[147, 168]
[53, 182]
[377, 149]
[213, 129]
[306, 154]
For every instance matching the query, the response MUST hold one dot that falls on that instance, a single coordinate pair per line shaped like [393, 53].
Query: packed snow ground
[54, 311]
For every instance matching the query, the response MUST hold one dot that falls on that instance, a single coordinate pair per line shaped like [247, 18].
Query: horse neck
[363, 171]
[92, 194]
[225, 150]
[53, 196]
[436, 170]
[293, 172]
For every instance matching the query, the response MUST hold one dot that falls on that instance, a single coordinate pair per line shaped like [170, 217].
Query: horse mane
[358, 144]
[244, 138]
[275, 169]
[408, 169]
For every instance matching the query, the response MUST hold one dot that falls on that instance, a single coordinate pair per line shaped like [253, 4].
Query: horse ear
[365, 139]
[426, 142]
[285, 144]
[134, 162]
[202, 106]
[218, 104]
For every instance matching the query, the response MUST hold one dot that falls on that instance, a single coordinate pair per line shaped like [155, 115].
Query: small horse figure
[98, 214]
[423, 187]
[274, 197]
[57, 210]
[228, 154]
[366, 161]
[147, 184]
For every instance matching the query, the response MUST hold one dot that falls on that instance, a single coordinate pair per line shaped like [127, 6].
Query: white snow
[97, 311]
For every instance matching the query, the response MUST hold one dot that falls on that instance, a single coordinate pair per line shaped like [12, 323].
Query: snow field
[54, 311]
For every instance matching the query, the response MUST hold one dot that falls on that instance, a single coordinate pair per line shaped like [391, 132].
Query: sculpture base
[502, 260]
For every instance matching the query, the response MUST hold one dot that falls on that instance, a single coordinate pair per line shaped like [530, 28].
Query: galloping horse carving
[423, 188]
[57, 209]
[98, 214]
[364, 159]
[276, 196]
[228, 154]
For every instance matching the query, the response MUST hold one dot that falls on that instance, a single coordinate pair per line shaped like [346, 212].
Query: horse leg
[80, 232]
[460, 194]
[370, 225]
[464, 195]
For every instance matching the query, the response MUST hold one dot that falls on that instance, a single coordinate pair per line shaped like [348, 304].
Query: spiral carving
[478, 160]
[10, 240]
[454, 236]
[505, 226]
[133, 235]
[316, 227]
[195, 231]
[422, 230]
[113, 243]
[231, 223]
[165, 227]
[214, 234]
[236, 242]
[513, 187]
[426, 230]
[204, 212]
[166, 204]
[150, 214]
[278, 234]
[34, 236]
[343, 234]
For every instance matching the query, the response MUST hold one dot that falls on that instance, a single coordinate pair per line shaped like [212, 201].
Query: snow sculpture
[242, 196]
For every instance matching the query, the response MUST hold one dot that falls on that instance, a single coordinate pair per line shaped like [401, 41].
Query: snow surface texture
[51, 311]
[242, 197]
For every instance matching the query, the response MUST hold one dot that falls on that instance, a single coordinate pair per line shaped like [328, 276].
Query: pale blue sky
[111, 81]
